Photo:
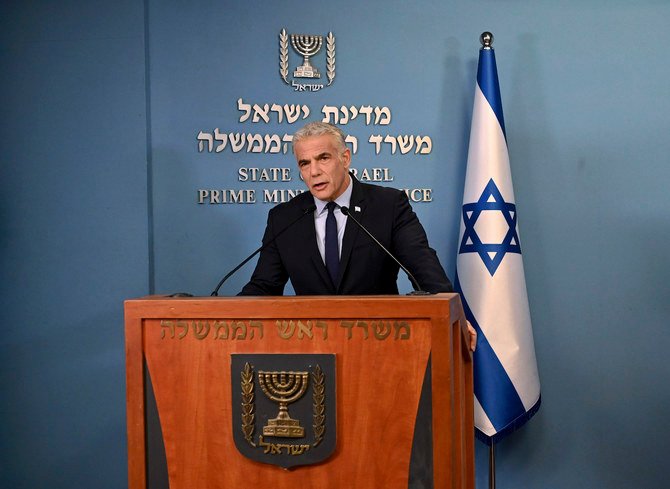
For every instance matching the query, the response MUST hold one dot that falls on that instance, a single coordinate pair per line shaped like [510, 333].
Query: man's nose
[315, 169]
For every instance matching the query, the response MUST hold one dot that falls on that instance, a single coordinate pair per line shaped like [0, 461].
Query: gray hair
[317, 128]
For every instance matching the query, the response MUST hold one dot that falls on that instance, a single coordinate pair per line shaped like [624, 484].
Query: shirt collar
[342, 201]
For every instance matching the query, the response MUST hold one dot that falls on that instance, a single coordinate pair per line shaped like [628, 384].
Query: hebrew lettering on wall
[251, 140]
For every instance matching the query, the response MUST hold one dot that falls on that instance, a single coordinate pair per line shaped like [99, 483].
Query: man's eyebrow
[320, 156]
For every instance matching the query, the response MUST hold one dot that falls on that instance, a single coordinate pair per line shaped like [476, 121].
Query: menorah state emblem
[265, 387]
[307, 46]
[283, 388]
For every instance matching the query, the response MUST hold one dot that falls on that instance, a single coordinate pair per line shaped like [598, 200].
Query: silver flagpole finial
[486, 39]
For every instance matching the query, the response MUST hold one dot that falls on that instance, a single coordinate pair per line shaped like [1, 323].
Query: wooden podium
[382, 346]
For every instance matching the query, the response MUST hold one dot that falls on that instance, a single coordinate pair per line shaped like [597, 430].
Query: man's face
[323, 166]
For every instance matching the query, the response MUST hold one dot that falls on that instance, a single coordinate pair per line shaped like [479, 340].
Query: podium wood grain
[378, 388]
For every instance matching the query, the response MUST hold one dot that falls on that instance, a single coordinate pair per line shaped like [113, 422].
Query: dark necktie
[332, 253]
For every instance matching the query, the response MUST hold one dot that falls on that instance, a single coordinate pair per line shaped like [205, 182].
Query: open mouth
[319, 186]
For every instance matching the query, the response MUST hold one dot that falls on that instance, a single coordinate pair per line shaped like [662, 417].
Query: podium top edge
[300, 298]
[444, 305]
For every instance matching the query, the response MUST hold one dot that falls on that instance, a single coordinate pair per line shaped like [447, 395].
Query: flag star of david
[491, 254]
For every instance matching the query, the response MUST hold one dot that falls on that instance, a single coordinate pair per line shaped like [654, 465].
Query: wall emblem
[307, 47]
[284, 407]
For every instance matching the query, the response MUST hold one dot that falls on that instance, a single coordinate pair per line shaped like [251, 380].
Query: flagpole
[492, 466]
[490, 275]
[486, 39]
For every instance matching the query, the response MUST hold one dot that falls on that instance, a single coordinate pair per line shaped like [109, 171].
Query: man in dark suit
[301, 253]
[325, 253]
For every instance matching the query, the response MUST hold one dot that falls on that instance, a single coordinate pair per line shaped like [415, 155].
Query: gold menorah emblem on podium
[283, 388]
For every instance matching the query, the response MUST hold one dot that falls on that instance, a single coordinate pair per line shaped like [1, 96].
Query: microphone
[417, 289]
[305, 212]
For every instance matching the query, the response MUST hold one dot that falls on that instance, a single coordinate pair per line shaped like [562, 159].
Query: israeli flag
[490, 275]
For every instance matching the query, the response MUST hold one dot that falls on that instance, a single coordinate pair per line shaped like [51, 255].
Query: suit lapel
[357, 209]
[308, 234]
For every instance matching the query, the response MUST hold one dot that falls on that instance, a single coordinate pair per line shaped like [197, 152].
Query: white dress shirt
[320, 220]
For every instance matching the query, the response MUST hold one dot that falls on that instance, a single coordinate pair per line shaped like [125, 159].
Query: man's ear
[346, 158]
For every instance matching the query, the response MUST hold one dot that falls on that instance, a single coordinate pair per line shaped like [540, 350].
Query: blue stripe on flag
[487, 79]
[513, 426]
[493, 387]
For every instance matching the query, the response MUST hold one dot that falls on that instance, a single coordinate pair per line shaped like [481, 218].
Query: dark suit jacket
[364, 268]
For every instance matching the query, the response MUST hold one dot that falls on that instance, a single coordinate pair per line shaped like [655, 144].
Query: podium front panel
[381, 348]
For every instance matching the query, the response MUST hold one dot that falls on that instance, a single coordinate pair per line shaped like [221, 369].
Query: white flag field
[490, 275]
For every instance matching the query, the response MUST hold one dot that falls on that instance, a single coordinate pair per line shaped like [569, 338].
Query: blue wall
[100, 107]
[73, 210]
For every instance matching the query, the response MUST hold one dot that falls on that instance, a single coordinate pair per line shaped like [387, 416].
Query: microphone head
[345, 210]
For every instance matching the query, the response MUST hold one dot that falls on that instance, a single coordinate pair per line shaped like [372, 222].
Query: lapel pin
[357, 209]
